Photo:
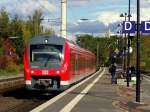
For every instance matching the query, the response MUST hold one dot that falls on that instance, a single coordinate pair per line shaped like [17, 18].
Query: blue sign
[145, 26]
[130, 27]
[119, 54]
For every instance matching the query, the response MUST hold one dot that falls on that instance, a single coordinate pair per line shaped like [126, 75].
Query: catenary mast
[64, 18]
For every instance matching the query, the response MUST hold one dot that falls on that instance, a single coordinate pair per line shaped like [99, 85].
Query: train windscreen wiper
[54, 57]
[45, 64]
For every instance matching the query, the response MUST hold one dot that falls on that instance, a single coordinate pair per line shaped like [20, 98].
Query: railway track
[7, 84]
[21, 100]
[15, 98]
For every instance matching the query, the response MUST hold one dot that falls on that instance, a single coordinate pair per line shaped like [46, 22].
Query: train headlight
[32, 72]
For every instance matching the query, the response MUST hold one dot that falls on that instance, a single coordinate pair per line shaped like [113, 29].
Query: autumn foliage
[8, 53]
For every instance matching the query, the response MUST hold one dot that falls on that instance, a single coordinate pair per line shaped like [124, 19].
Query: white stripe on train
[28, 82]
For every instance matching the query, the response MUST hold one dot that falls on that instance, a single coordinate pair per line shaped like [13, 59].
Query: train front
[43, 60]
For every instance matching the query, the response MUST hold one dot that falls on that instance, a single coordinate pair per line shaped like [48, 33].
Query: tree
[4, 23]
[102, 44]
[34, 22]
[26, 33]
[25, 30]
[15, 27]
[16, 31]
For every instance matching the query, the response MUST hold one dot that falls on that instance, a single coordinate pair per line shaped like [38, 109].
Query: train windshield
[46, 56]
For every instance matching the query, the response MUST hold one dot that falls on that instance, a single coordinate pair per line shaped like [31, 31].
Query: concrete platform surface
[96, 94]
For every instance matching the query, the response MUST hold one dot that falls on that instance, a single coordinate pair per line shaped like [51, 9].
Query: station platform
[97, 94]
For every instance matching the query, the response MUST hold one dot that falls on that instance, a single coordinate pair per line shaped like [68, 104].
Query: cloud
[104, 20]
[87, 27]
[108, 17]
[80, 2]
[144, 15]
[45, 4]
[145, 3]
[25, 8]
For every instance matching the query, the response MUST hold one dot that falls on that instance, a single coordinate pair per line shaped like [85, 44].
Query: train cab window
[46, 56]
[43, 56]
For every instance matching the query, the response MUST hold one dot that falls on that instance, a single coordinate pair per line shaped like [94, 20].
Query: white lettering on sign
[130, 27]
[128, 24]
[146, 25]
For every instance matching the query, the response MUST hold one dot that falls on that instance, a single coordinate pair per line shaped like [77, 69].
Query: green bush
[3, 72]
[13, 68]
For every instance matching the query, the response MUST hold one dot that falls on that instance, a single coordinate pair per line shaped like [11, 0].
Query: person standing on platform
[112, 70]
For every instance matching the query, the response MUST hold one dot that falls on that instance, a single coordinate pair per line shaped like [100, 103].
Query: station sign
[130, 27]
[145, 26]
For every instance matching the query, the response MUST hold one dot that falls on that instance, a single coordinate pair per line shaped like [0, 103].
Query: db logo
[44, 72]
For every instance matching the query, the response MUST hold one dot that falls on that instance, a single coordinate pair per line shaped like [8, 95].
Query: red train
[54, 63]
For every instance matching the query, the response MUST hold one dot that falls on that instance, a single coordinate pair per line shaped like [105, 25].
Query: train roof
[47, 40]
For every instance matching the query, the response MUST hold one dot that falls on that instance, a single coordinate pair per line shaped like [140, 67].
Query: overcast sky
[102, 14]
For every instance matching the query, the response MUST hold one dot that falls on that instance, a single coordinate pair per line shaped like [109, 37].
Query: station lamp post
[138, 75]
[129, 42]
[128, 47]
